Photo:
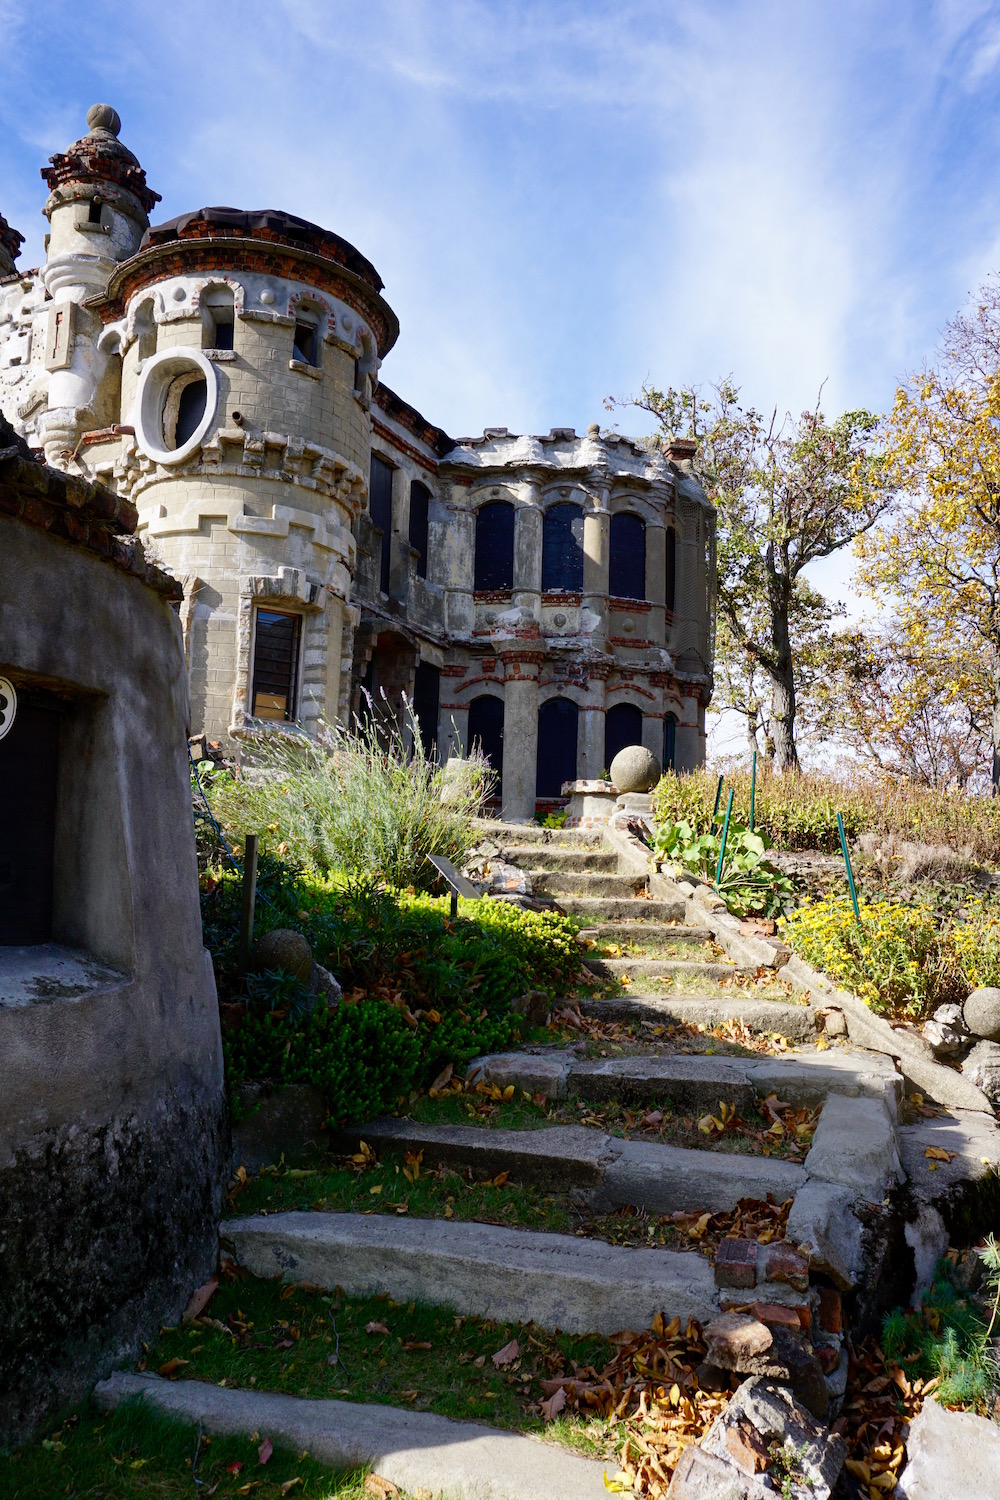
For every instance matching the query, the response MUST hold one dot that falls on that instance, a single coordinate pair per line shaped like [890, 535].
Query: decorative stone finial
[102, 117]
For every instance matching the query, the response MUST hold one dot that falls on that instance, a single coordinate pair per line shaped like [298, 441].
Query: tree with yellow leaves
[939, 551]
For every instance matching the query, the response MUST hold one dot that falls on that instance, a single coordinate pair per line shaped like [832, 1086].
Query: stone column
[520, 735]
[590, 741]
[596, 555]
[528, 552]
[457, 563]
[690, 749]
[652, 734]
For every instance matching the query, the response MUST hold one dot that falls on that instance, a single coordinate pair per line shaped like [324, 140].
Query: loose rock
[982, 1067]
[951, 1454]
[982, 1013]
[946, 1031]
[284, 950]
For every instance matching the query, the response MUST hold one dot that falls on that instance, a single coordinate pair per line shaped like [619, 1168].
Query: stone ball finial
[635, 769]
[103, 117]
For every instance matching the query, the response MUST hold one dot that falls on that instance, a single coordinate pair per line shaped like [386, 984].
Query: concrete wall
[112, 1113]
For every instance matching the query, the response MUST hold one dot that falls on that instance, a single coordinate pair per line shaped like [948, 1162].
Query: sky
[568, 197]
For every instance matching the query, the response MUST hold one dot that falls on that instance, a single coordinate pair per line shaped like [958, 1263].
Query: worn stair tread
[416, 1450]
[796, 1022]
[650, 1175]
[695, 1079]
[673, 968]
[582, 883]
[487, 1270]
[641, 931]
[537, 857]
[627, 908]
[507, 835]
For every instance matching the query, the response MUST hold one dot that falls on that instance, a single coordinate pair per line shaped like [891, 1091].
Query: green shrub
[799, 811]
[368, 802]
[948, 1340]
[750, 885]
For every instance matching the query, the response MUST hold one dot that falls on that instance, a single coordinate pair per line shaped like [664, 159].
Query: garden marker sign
[8, 706]
[456, 880]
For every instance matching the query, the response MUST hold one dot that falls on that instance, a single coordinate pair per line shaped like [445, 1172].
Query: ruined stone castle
[548, 597]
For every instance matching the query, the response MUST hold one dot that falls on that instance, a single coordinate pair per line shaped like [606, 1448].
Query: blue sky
[565, 198]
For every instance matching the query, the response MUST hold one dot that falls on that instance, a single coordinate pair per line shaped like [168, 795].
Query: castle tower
[10, 247]
[98, 210]
[249, 347]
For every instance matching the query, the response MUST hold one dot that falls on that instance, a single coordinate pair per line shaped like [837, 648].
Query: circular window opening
[183, 409]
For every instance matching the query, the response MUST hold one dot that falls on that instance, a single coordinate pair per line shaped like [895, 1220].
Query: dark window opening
[556, 761]
[562, 549]
[486, 734]
[627, 573]
[224, 327]
[426, 699]
[494, 567]
[669, 742]
[380, 509]
[190, 410]
[29, 760]
[94, 211]
[671, 569]
[305, 343]
[276, 665]
[419, 521]
[622, 727]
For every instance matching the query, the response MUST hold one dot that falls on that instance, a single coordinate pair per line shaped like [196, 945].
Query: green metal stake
[753, 788]
[847, 863]
[715, 809]
[725, 835]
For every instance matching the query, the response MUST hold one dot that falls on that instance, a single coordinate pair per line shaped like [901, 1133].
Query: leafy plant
[750, 885]
[552, 820]
[947, 1340]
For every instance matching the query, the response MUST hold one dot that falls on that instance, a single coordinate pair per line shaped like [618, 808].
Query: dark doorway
[380, 507]
[486, 732]
[29, 758]
[669, 742]
[622, 727]
[670, 581]
[556, 763]
[562, 548]
[419, 524]
[426, 697]
[494, 568]
[627, 571]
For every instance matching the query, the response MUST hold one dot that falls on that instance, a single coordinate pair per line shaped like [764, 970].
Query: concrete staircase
[576, 1283]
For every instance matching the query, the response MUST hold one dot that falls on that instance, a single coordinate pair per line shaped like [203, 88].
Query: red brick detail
[777, 1316]
[829, 1358]
[629, 606]
[831, 1311]
[400, 446]
[736, 1263]
[779, 1262]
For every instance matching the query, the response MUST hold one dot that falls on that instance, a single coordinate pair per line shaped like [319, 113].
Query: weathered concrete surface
[537, 857]
[536, 1072]
[416, 1450]
[777, 1417]
[692, 1082]
[557, 1156]
[821, 1224]
[555, 883]
[641, 931]
[855, 1145]
[951, 1455]
[703, 1476]
[670, 968]
[671, 1179]
[276, 1122]
[621, 908]
[516, 1275]
[965, 1190]
[796, 1022]
[48, 971]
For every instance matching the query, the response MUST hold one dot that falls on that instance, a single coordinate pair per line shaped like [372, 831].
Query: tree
[787, 493]
[940, 552]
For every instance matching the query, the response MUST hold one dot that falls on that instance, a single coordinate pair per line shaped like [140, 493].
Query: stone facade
[549, 597]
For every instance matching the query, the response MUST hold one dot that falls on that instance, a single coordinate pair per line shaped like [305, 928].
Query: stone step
[695, 1082]
[796, 1022]
[611, 1171]
[418, 1451]
[666, 968]
[639, 931]
[555, 883]
[481, 1270]
[511, 834]
[622, 909]
[535, 857]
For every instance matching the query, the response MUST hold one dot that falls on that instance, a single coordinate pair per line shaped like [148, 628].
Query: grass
[639, 947]
[136, 1454]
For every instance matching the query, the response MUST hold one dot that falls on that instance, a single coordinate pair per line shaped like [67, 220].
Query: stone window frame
[290, 592]
[310, 307]
[157, 381]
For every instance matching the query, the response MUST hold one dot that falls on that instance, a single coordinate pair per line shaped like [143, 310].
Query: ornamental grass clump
[365, 802]
[898, 958]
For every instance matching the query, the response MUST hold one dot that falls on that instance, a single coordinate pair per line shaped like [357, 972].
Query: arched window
[419, 501]
[183, 408]
[556, 762]
[562, 549]
[669, 742]
[495, 546]
[486, 733]
[671, 569]
[380, 507]
[627, 578]
[218, 318]
[622, 727]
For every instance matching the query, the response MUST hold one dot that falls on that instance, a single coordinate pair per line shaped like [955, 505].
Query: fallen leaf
[172, 1366]
[288, 1486]
[200, 1299]
[500, 1179]
[554, 1405]
[376, 1328]
[938, 1153]
[234, 1467]
[383, 1488]
[418, 1344]
[265, 1450]
[443, 1079]
[821, 1043]
[508, 1092]
[507, 1355]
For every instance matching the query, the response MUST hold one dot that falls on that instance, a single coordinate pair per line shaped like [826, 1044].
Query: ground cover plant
[750, 885]
[798, 811]
[365, 801]
[134, 1453]
[421, 992]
